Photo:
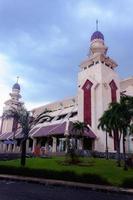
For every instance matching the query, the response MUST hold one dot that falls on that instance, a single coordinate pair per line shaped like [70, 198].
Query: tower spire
[97, 25]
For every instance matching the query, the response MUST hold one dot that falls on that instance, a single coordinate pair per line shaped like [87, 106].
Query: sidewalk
[101, 188]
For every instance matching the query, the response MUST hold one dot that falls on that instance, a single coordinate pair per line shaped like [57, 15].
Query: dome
[16, 86]
[97, 35]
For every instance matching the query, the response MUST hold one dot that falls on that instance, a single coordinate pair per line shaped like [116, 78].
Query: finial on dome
[97, 34]
[17, 78]
[97, 25]
[16, 86]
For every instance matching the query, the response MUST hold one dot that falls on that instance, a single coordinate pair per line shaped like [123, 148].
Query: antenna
[97, 25]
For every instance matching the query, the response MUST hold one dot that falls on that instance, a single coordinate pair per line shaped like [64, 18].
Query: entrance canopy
[54, 129]
[5, 136]
[87, 131]
[49, 130]
[59, 129]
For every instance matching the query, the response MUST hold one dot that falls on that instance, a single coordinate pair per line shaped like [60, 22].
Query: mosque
[98, 85]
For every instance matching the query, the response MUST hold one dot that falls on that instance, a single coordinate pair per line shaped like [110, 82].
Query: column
[14, 147]
[80, 142]
[9, 147]
[4, 147]
[18, 149]
[46, 147]
[1, 146]
[34, 144]
[54, 146]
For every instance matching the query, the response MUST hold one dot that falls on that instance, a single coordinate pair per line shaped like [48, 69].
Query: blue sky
[44, 41]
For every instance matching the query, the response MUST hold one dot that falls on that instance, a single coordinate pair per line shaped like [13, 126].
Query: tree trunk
[76, 143]
[124, 154]
[23, 153]
[118, 149]
[118, 155]
[107, 154]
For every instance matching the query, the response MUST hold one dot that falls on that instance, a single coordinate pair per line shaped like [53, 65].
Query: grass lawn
[104, 168]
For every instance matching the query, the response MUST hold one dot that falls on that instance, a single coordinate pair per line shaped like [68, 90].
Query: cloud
[86, 9]
[4, 90]
[5, 65]
[8, 78]
[43, 42]
[32, 105]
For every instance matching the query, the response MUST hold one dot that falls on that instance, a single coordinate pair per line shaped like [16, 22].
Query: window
[61, 116]
[73, 114]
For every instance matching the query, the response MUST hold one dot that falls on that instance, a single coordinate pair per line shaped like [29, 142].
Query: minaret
[98, 85]
[10, 125]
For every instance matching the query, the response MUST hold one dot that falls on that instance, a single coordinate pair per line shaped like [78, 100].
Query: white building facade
[98, 85]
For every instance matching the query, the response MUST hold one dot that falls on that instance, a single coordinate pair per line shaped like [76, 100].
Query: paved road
[10, 190]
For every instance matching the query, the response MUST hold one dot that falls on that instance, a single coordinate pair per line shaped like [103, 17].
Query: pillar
[54, 146]
[80, 144]
[4, 147]
[18, 149]
[1, 147]
[34, 144]
[14, 147]
[9, 147]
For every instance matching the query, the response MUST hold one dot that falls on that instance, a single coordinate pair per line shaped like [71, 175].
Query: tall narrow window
[87, 101]
[113, 91]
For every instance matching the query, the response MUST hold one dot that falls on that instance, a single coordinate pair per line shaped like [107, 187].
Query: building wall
[126, 86]
[56, 107]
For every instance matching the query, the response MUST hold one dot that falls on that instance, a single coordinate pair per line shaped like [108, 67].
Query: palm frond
[78, 128]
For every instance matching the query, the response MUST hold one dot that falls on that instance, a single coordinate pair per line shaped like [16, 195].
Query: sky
[44, 41]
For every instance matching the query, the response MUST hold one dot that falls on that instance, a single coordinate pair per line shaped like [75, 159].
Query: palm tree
[22, 116]
[115, 124]
[26, 122]
[110, 122]
[124, 112]
[104, 125]
[127, 115]
[121, 115]
[78, 130]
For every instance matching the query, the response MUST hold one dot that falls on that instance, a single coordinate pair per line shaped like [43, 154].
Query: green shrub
[53, 174]
[127, 183]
